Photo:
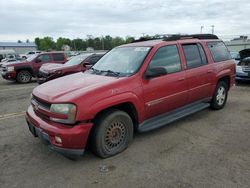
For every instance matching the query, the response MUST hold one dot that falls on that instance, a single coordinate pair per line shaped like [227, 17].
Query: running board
[164, 119]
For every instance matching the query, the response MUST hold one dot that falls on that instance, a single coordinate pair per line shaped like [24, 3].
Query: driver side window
[167, 57]
[44, 58]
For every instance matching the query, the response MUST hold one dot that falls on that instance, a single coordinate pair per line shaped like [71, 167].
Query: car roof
[53, 52]
[171, 39]
[151, 43]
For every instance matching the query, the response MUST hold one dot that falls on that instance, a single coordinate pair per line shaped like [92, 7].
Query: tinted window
[44, 58]
[167, 57]
[202, 54]
[219, 51]
[195, 55]
[94, 59]
[58, 57]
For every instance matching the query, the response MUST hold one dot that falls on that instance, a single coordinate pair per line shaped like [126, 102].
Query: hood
[14, 63]
[244, 53]
[69, 87]
[51, 67]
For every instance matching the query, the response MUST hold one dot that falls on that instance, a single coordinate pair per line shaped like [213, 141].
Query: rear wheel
[112, 134]
[220, 96]
[24, 77]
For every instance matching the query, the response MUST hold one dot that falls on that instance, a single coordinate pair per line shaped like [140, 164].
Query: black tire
[220, 96]
[112, 133]
[23, 77]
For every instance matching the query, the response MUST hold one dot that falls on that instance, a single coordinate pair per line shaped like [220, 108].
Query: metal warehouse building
[19, 48]
[238, 44]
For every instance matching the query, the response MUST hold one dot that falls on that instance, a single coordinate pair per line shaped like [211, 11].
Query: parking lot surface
[207, 149]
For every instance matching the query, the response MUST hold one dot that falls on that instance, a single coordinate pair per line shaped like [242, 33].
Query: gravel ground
[207, 149]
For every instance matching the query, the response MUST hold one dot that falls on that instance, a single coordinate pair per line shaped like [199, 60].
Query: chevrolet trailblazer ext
[139, 86]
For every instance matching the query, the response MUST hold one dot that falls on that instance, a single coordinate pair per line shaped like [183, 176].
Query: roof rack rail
[173, 37]
[193, 36]
[146, 38]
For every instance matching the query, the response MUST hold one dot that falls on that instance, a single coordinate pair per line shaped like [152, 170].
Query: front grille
[246, 69]
[41, 107]
[41, 102]
[43, 74]
[4, 69]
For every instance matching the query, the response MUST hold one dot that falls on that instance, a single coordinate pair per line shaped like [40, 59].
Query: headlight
[239, 68]
[57, 72]
[66, 109]
[10, 69]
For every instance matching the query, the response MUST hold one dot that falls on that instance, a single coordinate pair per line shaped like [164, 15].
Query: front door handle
[181, 79]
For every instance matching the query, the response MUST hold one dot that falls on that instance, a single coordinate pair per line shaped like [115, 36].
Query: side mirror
[155, 72]
[87, 65]
[38, 60]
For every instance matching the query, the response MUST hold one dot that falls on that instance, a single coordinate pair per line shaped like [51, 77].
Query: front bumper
[45, 77]
[9, 75]
[242, 76]
[74, 138]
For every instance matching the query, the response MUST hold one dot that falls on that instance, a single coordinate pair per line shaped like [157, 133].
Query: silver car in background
[242, 61]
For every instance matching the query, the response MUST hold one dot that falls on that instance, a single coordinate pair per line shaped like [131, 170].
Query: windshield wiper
[95, 70]
[111, 72]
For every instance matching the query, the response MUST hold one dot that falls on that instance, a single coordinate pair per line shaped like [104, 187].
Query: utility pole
[212, 28]
[102, 43]
[202, 28]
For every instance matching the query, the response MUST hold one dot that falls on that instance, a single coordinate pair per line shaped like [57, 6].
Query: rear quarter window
[58, 57]
[219, 51]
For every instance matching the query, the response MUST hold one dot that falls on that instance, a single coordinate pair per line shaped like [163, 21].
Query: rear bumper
[74, 138]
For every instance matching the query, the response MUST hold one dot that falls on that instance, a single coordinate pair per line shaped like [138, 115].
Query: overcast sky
[27, 19]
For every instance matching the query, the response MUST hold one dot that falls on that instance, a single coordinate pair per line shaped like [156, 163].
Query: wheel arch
[25, 68]
[225, 79]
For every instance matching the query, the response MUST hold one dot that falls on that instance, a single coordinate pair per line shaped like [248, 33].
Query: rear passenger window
[219, 51]
[195, 55]
[167, 57]
[58, 57]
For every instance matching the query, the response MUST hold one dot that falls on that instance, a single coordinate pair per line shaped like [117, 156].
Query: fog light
[58, 139]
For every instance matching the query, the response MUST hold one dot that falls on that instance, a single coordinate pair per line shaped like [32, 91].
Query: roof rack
[193, 36]
[146, 38]
[173, 37]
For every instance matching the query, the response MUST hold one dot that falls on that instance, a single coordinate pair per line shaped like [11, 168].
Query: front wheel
[220, 96]
[23, 77]
[112, 133]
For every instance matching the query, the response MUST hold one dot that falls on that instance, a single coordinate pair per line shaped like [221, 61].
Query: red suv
[78, 63]
[139, 86]
[23, 71]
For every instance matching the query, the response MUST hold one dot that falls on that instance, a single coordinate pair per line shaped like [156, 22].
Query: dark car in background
[78, 63]
[23, 71]
[242, 60]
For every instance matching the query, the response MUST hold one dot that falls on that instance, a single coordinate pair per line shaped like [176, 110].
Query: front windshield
[31, 58]
[124, 60]
[77, 59]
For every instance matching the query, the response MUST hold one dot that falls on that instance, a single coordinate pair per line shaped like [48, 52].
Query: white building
[238, 44]
[19, 48]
